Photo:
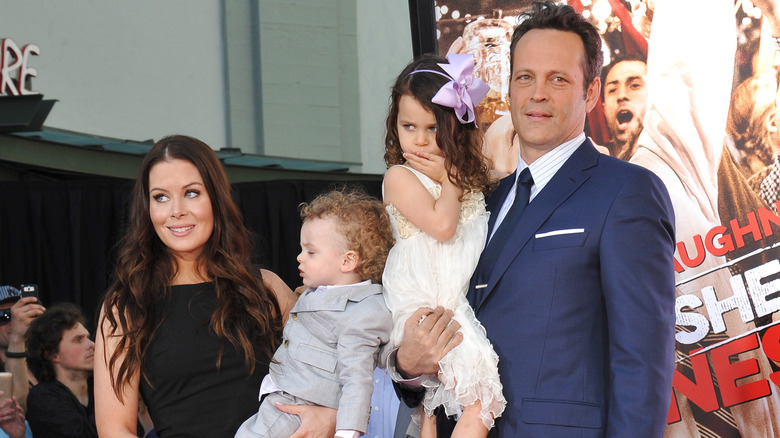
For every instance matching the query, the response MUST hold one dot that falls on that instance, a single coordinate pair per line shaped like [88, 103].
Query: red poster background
[709, 131]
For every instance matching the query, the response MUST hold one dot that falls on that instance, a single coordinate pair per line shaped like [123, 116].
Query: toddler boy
[333, 337]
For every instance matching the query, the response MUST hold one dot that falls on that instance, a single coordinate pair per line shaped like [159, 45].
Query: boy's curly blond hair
[363, 222]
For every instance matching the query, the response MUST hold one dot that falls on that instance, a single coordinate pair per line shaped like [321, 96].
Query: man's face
[76, 351]
[625, 101]
[548, 97]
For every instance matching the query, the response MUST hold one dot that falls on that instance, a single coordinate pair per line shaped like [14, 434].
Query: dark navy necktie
[505, 228]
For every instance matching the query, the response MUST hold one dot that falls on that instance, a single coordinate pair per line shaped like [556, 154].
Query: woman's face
[180, 208]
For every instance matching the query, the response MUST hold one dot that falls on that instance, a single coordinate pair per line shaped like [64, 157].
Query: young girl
[433, 192]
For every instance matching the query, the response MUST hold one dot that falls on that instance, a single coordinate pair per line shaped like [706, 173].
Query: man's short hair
[44, 336]
[615, 61]
[550, 15]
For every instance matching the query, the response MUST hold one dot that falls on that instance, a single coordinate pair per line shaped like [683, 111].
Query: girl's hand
[429, 164]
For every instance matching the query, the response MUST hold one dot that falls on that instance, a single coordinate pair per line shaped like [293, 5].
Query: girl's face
[180, 207]
[416, 127]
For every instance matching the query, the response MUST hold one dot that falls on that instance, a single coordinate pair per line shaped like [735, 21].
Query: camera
[30, 290]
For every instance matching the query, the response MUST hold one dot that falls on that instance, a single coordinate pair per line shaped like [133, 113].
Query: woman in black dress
[188, 323]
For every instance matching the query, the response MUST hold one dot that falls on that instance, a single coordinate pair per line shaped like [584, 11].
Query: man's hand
[316, 421]
[12, 418]
[22, 314]
[429, 334]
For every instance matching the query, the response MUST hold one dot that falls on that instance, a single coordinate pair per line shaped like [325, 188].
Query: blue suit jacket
[580, 305]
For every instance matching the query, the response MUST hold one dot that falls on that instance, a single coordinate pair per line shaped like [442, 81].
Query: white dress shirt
[542, 170]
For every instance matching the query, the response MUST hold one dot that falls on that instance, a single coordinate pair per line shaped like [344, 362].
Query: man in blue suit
[576, 291]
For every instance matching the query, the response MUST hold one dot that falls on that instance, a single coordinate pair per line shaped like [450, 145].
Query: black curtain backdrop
[61, 235]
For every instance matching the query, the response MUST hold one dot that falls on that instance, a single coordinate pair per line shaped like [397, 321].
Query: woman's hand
[316, 421]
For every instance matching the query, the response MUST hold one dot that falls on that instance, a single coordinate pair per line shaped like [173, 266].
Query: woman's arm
[436, 217]
[284, 296]
[114, 417]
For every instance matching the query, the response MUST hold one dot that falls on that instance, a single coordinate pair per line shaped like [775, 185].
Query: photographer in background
[16, 314]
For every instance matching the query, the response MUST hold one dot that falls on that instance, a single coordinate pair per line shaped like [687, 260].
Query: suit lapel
[493, 204]
[497, 197]
[566, 181]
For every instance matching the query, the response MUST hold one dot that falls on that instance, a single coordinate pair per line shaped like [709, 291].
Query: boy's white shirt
[268, 386]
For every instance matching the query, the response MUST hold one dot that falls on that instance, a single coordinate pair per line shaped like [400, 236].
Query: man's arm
[689, 80]
[637, 275]
[23, 312]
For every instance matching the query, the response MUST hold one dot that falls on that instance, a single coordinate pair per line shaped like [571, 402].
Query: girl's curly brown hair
[364, 223]
[461, 143]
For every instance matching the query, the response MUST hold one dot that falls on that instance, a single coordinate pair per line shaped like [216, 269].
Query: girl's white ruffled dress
[420, 272]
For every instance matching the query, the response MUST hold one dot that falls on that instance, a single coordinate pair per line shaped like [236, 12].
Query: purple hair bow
[464, 91]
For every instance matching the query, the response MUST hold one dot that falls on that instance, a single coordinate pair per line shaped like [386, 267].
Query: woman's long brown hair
[246, 309]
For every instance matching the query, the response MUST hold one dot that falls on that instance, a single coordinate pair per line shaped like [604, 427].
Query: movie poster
[689, 90]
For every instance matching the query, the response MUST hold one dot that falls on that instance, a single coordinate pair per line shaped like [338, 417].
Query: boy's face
[323, 254]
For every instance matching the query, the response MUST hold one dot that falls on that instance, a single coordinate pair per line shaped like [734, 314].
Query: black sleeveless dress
[186, 395]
